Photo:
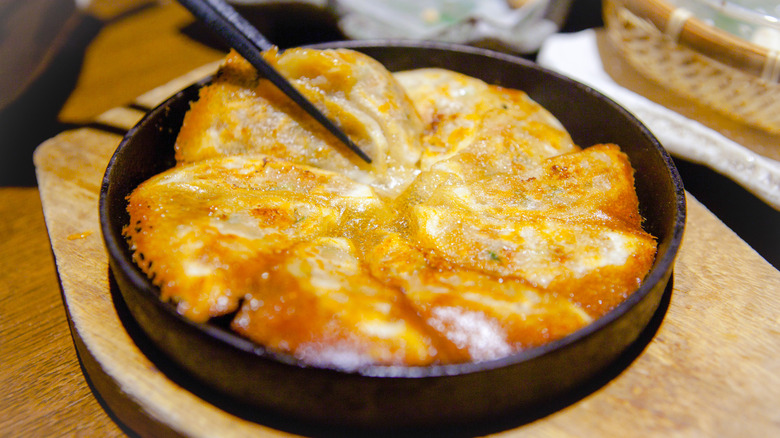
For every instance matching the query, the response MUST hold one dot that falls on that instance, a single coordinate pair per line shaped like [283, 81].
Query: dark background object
[42, 45]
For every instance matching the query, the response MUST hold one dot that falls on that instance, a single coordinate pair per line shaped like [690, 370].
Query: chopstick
[249, 43]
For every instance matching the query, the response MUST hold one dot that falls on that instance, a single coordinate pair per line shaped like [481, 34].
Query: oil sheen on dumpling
[569, 224]
[481, 316]
[501, 125]
[241, 113]
[321, 305]
[205, 232]
[480, 229]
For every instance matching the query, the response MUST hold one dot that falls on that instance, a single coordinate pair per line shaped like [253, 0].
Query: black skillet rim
[118, 252]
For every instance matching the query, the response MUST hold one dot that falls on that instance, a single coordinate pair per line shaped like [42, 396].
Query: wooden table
[46, 392]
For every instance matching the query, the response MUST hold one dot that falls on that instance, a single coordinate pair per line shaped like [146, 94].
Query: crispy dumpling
[205, 231]
[460, 112]
[594, 265]
[594, 185]
[320, 304]
[569, 221]
[481, 316]
[241, 113]
[480, 230]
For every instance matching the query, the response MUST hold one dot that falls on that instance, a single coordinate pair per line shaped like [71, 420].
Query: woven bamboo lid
[693, 33]
[722, 71]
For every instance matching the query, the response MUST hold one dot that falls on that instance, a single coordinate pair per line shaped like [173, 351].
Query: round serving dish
[382, 396]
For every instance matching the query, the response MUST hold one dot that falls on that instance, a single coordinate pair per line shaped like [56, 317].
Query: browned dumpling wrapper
[480, 230]
[206, 232]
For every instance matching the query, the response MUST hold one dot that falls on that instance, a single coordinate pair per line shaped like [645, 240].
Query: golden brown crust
[460, 112]
[481, 316]
[481, 231]
[242, 114]
[321, 305]
[206, 232]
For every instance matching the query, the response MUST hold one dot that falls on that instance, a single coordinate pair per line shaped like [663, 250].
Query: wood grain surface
[711, 369]
[44, 392]
[149, 47]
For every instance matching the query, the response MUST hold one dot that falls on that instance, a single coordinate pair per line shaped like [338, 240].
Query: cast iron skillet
[380, 396]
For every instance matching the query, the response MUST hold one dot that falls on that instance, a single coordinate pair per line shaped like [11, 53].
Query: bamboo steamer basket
[715, 68]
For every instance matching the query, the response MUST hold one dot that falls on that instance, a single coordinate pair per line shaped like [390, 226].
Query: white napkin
[576, 56]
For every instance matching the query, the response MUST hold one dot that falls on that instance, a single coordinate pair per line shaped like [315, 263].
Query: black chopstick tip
[250, 43]
[350, 144]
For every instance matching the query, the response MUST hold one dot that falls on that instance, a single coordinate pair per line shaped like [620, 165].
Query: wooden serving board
[712, 368]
